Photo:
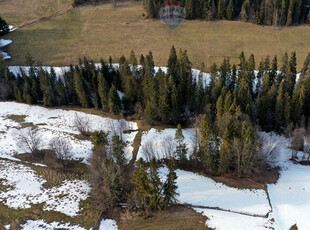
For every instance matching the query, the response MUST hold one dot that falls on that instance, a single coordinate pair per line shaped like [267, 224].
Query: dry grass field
[113, 30]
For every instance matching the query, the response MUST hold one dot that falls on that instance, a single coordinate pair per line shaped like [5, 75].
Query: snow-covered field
[57, 123]
[198, 190]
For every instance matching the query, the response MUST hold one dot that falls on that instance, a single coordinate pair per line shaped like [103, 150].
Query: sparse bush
[298, 142]
[82, 124]
[149, 150]
[168, 147]
[62, 149]
[30, 140]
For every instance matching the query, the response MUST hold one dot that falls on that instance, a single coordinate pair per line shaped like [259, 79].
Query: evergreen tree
[173, 64]
[142, 183]
[27, 97]
[220, 10]
[80, 89]
[170, 186]
[156, 198]
[118, 150]
[103, 91]
[230, 14]
[181, 148]
[114, 101]
[149, 113]
[17, 92]
[209, 143]
[4, 28]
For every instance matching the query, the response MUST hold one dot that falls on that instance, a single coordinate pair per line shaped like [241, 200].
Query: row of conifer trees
[262, 12]
[271, 96]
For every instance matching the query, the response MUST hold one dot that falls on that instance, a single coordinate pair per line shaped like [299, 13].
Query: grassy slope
[105, 30]
[22, 12]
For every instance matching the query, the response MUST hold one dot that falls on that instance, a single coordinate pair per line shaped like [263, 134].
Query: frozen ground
[108, 224]
[23, 188]
[57, 123]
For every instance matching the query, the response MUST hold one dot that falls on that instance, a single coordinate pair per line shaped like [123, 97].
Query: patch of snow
[4, 55]
[12, 28]
[42, 225]
[108, 224]
[198, 190]
[158, 137]
[4, 42]
[221, 220]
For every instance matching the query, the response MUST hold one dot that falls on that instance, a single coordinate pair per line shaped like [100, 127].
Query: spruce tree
[209, 143]
[27, 97]
[181, 149]
[230, 15]
[220, 10]
[142, 183]
[80, 89]
[114, 101]
[156, 198]
[170, 186]
[173, 64]
[103, 91]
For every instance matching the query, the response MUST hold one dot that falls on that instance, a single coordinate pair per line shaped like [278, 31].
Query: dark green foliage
[170, 185]
[181, 149]
[4, 28]
[273, 99]
[114, 101]
[151, 194]
[265, 12]
[80, 89]
[100, 138]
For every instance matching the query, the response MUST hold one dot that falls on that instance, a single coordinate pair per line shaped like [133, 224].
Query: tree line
[261, 12]
[271, 96]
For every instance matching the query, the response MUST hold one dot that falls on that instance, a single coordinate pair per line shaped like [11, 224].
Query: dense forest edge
[260, 12]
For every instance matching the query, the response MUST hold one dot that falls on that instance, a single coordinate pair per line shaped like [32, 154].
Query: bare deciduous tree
[245, 156]
[61, 148]
[168, 147]
[82, 124]
[148, 150]
[196, 136]
[29, 140]
[267, 152]
[306, 156]
[298, 142]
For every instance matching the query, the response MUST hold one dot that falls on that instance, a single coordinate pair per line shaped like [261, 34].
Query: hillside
[106, 30]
